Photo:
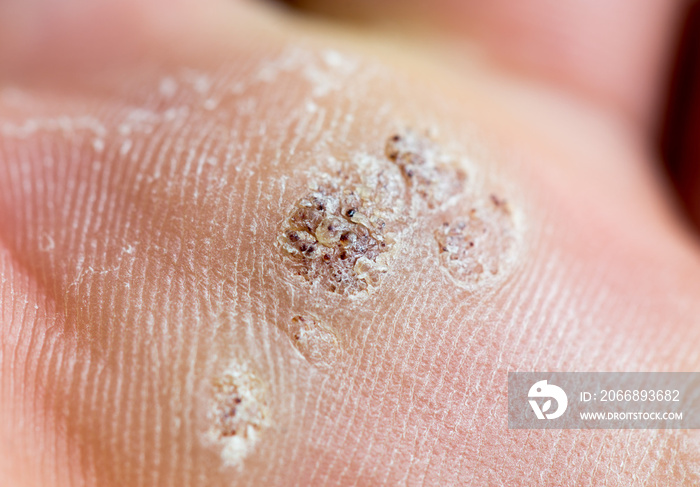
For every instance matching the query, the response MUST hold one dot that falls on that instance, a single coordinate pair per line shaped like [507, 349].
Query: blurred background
[679, 140]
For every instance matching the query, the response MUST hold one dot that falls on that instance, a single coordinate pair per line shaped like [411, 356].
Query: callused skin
[155, 331]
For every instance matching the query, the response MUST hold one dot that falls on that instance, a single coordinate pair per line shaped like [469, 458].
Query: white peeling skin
[147, 280]
[238, 413]
[316, 342]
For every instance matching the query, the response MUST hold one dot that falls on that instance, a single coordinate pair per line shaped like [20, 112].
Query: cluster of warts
[335, 237]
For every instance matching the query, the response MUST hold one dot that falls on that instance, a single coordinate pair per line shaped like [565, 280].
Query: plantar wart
[238, 414]
[361, 212]
[428, 171]
[477, 246]
[328, 232]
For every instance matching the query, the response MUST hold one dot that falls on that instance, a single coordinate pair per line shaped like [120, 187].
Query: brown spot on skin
[391, 152]
[500, 203]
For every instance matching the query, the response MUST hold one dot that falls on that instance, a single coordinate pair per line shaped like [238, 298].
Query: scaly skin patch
[477, 246]
[239, 413]
[429, 172]
[473, 247]
[316, 343]
[341, 235]
[338, 237]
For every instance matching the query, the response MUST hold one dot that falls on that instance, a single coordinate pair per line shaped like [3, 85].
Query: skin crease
[138, 261]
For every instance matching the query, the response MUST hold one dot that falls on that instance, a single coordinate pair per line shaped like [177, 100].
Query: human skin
[145, 180]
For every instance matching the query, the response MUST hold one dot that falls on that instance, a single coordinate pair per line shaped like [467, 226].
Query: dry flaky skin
[479, 245]
[239, 413]
[140, 217]
[236, 407]
[427, 173]
[316, 343]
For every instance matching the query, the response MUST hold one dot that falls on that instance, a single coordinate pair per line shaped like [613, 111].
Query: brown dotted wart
[478, 245]
[239, 406]
[238, 413]
[335, 237]
[428, 172]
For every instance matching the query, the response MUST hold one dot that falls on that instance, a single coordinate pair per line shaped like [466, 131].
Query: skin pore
[161, 325]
